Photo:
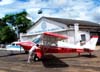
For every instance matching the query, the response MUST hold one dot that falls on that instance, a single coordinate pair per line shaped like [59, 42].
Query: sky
[88, 10]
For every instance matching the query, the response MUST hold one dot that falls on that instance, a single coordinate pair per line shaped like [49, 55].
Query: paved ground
[51, 63]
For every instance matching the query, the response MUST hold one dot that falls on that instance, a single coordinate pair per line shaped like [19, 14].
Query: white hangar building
[76, 29]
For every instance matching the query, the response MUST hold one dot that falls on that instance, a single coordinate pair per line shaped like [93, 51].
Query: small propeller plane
[54, 43]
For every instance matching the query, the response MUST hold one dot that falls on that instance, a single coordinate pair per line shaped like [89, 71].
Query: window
[83, 37]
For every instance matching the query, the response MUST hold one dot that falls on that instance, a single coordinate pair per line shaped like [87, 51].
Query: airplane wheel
[36, 58]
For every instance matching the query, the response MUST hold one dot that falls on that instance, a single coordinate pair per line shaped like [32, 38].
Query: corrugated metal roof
[83, 24]
[71, 21]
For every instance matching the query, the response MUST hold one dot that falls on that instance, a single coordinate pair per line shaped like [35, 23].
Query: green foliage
[19, 20]
[2, 24]
[7, 34]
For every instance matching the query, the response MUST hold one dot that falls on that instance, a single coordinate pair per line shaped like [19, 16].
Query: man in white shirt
[31, 52]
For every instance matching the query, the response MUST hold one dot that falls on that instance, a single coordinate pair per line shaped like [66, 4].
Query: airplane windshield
[37, 39]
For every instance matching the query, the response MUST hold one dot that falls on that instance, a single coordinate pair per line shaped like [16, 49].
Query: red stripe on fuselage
[54, 49]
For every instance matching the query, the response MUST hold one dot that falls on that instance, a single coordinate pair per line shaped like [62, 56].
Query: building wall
[41, 26]
[86, 33]
[52, 26]
[71, 35]
[45, 25]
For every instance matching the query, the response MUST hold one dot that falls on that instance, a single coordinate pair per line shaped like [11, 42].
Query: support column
[76, 33]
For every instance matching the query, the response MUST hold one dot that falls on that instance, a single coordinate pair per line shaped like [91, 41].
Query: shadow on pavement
[11, 54]
[88, 56]
[51, 61]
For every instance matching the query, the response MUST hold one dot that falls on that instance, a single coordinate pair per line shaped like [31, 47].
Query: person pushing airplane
[31, 52]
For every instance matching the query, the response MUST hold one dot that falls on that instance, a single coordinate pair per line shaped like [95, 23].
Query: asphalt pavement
[17, 62]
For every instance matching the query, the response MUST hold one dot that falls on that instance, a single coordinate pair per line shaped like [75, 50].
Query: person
[31, 52]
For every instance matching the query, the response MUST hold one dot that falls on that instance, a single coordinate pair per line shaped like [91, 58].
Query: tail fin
[91, 44]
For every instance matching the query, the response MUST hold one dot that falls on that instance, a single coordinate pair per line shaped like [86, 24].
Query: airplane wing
[26, 45]
[55, 35]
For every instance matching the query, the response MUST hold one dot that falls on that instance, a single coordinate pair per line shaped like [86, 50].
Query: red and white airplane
[54, 43]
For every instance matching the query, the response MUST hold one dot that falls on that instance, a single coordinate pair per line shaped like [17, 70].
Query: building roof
[71, 21]
[87, 25]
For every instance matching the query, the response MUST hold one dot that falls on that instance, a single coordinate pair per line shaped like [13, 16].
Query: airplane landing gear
[36, 58]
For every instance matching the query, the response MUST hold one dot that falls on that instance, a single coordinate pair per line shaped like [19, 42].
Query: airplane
[54, 43]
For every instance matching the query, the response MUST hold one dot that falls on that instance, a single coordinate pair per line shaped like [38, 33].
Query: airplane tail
[91, 44]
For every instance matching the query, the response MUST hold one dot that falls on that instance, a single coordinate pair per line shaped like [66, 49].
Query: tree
[2, 24]
[20, 20]
[7, 35]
